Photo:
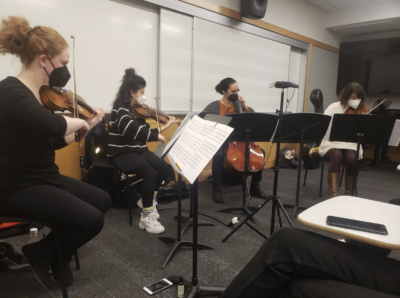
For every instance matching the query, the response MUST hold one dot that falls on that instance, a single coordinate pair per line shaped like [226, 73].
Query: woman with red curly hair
[30, 183]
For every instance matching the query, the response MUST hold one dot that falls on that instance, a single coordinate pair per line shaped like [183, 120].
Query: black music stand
[250, 127]
[177, 242]
[368, 129]
[276, 203]
[302, 128]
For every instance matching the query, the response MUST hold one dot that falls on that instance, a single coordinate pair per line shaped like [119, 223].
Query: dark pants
[338, 157]
[76, 209]
[291, 255]
[147, 166]
[218, 168]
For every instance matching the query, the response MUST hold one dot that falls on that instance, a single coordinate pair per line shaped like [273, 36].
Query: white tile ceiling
[335, 5]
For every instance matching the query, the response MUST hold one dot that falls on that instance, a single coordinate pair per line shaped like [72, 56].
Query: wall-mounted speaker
[254, 9]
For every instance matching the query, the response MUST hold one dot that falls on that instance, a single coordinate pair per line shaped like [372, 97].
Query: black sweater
[128, 133]
[29, 134]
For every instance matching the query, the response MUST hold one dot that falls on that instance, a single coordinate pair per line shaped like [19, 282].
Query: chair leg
[128, 193]
[341, 176]
[322, 178]
[77, 263]
[305, 177]
[60, 263]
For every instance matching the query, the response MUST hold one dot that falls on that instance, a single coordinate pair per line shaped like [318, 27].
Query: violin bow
[158, 122]
[377, 106]
[76, 112]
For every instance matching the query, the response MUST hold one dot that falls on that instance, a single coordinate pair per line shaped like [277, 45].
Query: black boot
[256, 191]
[40, 255]
[66, 269]
[217, 195]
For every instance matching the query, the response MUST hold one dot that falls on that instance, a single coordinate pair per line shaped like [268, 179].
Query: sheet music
[197, 145]
[395, 136]
[181, 152]
[178, 132]
[207, 150]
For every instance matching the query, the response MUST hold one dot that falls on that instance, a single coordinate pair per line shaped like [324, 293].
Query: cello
[235, 156]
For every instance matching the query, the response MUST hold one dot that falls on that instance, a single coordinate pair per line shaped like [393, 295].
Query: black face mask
[233, 97]
[59, 77]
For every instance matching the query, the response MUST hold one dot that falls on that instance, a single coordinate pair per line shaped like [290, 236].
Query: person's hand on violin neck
[161, 138]
[98, 115]
[171, 121]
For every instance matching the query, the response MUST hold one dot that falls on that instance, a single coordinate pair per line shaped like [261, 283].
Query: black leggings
[76, 209]
[152, 180]
[338, 157]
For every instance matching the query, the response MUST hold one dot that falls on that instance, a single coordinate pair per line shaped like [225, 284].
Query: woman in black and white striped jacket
[127, 146]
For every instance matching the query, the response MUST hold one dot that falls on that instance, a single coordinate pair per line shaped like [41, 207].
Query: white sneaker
[155, 211]
[151, 224]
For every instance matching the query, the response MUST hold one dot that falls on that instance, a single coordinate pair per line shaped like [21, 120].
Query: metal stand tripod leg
[276, 205]
[177, 242]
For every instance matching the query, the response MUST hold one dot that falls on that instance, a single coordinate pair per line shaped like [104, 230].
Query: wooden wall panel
[67, 158]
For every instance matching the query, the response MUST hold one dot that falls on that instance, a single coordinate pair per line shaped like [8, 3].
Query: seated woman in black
[227, 87]
[30, 184]
[127, 144]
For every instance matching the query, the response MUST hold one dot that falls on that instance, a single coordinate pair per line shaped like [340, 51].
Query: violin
[360, 110]
[235, 155]
[59, 99]
[144, 111]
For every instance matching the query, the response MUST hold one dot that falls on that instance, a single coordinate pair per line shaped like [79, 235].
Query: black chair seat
[105, 163]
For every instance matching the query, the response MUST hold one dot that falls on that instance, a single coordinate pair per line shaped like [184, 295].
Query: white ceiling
[335, 5]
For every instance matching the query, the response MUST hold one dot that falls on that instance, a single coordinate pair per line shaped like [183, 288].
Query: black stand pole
[296, 207]
[197, 290]
[244, 209]
[178, 242]
[353, 187]
[276, 203]
[189, 218]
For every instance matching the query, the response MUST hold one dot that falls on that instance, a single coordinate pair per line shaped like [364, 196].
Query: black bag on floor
[170, 193]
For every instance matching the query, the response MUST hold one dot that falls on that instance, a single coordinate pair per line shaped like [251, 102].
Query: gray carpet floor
[121, 260]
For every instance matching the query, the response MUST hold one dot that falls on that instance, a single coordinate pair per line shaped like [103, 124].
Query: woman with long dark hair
[227, 87]
[127, 145]
[351, 97]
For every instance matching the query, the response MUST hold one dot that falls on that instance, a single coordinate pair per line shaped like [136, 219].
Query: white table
[358, 209]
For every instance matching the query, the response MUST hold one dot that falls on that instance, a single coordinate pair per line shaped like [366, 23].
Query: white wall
[295, 15]
[110, 37]
[379, 11]
[323, 76]
[294, 76]
[372, 36]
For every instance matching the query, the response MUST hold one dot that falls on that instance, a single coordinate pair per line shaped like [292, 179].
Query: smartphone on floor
[358, 225]
[157, 287]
